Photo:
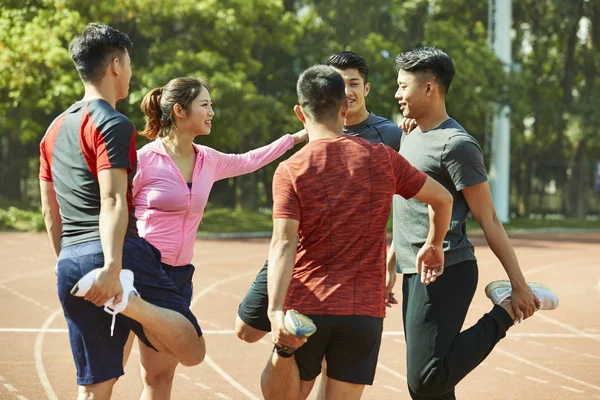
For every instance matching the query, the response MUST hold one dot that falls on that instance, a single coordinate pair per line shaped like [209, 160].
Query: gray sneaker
[498, 291]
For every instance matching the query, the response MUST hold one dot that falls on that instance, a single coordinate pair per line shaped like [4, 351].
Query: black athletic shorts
[350, 345]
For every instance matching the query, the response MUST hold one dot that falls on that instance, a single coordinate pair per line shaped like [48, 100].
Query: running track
[554, 355]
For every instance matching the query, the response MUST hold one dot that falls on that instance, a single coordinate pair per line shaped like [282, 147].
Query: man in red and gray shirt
[87, 161]
[334, 197]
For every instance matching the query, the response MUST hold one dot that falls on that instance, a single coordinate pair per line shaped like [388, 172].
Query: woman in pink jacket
[170, 191]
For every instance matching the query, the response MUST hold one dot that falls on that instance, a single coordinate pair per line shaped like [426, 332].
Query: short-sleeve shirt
[376, 129]
[340, 190]
[452, 157]
[87, 138]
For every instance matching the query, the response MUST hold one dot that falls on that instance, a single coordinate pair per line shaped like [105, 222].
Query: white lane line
[62, 330]
[563, 349]
[226, 294]
[211, 324]
[229, 379]
[220, 331]
[39, 365]
[531, 378]
[506, 371]
[29, 299]
[184, 376]
[22, 276]
[223, 396]
[207, 358]
[1, 378]
[532, 342]
[21, 397]
[517, 336]
[391, 371]
[10, 387]
[219, 283]
[202, 385]
[567, 327]
[483, 364]
[591, 356]
[393, 389]
[550, 371]
[571, 389]
[32, 330]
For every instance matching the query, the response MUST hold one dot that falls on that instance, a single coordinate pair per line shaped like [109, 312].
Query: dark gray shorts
[253, 308]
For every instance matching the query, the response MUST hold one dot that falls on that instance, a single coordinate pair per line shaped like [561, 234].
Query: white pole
[500, 21]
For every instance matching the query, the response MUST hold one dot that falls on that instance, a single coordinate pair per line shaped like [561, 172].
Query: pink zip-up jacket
[168, 213]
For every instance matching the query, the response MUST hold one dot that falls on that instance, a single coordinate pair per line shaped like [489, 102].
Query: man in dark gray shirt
[438, 354]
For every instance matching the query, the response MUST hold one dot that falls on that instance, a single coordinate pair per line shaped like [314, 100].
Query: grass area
[526, 223]
[228, 220]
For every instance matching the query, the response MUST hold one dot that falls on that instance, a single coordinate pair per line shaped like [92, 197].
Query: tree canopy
[251, 52]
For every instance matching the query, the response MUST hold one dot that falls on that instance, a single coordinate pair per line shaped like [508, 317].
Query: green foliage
[13, 218]
[252, 51]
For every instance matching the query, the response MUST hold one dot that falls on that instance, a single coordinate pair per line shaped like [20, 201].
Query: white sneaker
[299, 324]
[498, 291]
[125, 277]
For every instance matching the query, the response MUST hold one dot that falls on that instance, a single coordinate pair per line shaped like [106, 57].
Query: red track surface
[554, 355]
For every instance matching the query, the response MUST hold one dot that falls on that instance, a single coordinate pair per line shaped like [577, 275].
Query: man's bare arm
[479, 199]
[282, 258]
[430, 259]
[113, 225]
[51, 213]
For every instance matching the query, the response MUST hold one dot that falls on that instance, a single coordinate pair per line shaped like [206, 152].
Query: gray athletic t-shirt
[376, 130]
[452, 157]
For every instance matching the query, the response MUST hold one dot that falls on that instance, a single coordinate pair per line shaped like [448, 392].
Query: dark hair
[428, 60]
[158, 104]
[349, 60]
[321, 92]
[97, 45]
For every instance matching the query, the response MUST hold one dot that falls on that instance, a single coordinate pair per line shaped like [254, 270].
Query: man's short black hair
[350, 60]
[428, 60]
[95, 47]
[321, 92]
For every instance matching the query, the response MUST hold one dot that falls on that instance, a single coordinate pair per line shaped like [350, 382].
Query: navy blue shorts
[98, 356]
[182, 278]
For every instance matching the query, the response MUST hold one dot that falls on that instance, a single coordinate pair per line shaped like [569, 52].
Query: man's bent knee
[429, 383]
[247, 333]
[195, 355]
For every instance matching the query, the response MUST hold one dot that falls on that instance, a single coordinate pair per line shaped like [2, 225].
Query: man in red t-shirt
[334, 197]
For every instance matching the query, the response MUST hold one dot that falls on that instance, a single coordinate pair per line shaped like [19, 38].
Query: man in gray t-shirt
[453, 158]
[439, 355]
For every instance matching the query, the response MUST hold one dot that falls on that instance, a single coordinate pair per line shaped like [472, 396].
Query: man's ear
[114, 67]
[367, 89]
[429, 88]
[299, 113]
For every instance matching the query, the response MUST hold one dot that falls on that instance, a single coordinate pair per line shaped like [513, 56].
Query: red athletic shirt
[340, 190]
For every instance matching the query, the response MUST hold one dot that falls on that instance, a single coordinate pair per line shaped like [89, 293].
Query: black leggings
[438, 354]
